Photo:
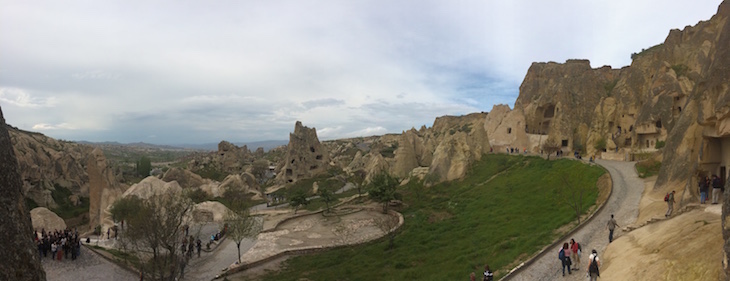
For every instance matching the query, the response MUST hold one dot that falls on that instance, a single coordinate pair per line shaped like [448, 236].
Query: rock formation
[103, 188]
[150, 186]
[43, 218]
[19, 256]
[185, 178]
[305, 156]
[45, 163]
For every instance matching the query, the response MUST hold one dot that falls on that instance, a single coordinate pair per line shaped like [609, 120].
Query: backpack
[666, 197]
[561, 255]
[593, 268]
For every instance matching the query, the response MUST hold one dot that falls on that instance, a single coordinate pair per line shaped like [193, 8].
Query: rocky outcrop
[465, 141]
[104, 189]
[45, 219]
[209, 211]
[185, 178]
[46, 162]
[305, 156]
[150, 186]
[233, 158]
[19, 256]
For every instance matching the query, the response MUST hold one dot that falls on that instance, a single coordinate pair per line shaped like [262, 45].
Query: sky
[191, 72]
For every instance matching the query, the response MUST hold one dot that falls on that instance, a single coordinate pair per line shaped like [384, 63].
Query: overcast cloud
[172, 72]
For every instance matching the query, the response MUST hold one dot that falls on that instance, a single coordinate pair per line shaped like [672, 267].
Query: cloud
[21, 98]
[322, 103]
[61, 126]
[95, 74]
[247, 70]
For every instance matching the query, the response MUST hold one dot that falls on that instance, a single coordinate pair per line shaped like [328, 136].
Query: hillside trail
[623, 203]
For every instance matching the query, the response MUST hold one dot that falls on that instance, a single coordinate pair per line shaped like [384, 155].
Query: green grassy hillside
[504, 209]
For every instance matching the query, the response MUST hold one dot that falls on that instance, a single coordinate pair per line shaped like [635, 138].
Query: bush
[601, 144]
[648, 168]
[659, 144]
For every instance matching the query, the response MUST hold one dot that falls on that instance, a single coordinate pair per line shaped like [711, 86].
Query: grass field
[505, 209]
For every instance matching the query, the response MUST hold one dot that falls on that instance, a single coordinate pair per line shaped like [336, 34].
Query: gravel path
[623, 203]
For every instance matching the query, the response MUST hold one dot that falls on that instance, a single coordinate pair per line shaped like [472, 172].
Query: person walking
[564, 255]
[488, 275]
[611, 227]
[704, 188]
[716, 187]
[593, 264]
[670, 204]
[576, 249]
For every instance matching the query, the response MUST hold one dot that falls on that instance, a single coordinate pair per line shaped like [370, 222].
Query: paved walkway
[89, 266]
[623, 203]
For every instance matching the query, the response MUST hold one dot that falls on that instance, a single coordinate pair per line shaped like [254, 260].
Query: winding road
[623, 203]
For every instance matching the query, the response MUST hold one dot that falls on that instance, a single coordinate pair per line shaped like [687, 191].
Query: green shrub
[659, 144]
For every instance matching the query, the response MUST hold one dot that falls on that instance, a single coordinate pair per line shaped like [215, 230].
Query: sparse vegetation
[389, 151]
[600, 144]
[500, 212]
[210, 172]
[659, 144]
[648, 168]
[680, 69]
[610, 85]
[646, 51]
[66, 209]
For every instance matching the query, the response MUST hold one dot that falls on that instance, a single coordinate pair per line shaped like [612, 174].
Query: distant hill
[267, 145]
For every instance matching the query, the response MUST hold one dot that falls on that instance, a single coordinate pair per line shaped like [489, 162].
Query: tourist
[704, 184]
[488, 275]
[576, 249]
[566, 258]
[54, 248]
[716, 187]
[472, 276]
[670, 203]
[593, 264]
[611, 227]
[198, 242]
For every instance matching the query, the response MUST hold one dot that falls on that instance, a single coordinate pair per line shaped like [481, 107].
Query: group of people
[569, 256]
[60, 244]
[704, 186]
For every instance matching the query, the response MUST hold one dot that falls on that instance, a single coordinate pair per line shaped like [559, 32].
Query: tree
[550, 146]
[358, 178]
[144, 166]
[242, 225]
[382, 189]
[387, 225]
[298, 199]
[600, 144]
[327, 196]
[154, 231]
[125, 208]
[259, 169]
[572, 194]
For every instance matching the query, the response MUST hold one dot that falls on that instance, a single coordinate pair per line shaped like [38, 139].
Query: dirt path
[623, 203]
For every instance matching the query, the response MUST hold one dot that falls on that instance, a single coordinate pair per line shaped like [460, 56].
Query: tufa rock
[43, 218]
[104, 189]
[305, 156]
[19, 256]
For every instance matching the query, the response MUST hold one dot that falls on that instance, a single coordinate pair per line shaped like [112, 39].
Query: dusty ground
[687, 246]
[310, 232]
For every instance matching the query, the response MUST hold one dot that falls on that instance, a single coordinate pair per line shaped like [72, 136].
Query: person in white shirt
[593, 264]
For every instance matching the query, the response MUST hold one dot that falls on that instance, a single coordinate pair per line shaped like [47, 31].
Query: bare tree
[242, 225]
[387, 224]
[343, 232]
[549, 146]
[154, 232]
[572, 194]
[358, 178]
